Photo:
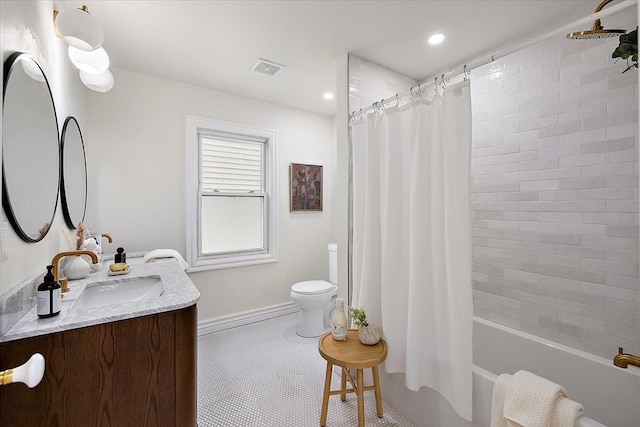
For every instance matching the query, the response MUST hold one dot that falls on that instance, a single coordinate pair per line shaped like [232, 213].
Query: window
[230, 194]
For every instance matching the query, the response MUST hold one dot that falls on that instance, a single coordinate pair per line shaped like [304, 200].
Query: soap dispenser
[49, 298]
[120, 256]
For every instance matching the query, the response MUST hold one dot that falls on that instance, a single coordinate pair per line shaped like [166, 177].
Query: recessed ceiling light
[436, 38]
[328, 95]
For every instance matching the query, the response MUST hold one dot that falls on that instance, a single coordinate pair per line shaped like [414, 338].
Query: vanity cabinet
[134, 372]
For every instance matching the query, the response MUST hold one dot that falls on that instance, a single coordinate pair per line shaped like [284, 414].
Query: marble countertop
[179, 292]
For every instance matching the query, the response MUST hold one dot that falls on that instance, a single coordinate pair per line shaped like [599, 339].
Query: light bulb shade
[79, 29]
[92, 62]
[98, 82]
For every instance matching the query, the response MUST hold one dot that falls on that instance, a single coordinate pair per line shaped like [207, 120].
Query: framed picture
[305, 187]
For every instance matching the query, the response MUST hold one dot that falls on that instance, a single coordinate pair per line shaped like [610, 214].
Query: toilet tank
[333, 263]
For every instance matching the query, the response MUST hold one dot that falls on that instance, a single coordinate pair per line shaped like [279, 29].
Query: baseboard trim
[217, 324]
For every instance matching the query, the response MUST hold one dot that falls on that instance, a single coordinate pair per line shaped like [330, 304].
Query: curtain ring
[411, 93]
[397, 100]
[443, 82]
[465, 72]
[435, 83]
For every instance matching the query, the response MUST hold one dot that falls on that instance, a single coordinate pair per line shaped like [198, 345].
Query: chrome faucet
[622, 360]
[56, 259]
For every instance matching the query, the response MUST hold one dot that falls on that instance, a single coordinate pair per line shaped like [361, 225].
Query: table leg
[360, 394]
[325, 395]
[343, 384]
[376, 390]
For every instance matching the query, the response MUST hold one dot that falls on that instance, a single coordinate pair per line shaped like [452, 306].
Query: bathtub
[610, 395]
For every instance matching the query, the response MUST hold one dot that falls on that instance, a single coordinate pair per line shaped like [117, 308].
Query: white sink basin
[120, 291]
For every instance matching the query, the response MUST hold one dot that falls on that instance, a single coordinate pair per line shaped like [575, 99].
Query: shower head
[597, 32]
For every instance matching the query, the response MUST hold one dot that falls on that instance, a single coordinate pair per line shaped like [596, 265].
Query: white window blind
[231, 166]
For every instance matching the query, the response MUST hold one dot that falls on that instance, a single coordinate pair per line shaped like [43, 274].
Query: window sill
[220, 263]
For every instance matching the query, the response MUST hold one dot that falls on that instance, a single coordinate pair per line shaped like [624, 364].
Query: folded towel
[497, 401]
[530, 399]
[166, 253]
[565, 413]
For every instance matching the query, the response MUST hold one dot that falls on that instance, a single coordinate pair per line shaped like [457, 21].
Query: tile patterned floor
[264, 375]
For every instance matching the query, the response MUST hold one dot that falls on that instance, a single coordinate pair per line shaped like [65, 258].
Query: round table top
[351, 353]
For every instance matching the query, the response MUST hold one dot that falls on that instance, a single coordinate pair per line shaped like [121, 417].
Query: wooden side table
[351, 354]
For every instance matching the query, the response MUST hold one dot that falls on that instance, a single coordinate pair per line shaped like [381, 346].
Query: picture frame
[305, 187]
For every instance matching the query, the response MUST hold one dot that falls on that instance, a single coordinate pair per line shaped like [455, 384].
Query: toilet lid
[312, 287]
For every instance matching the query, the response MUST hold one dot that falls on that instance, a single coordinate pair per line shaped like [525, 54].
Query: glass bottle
[339, 322]
[48, 299]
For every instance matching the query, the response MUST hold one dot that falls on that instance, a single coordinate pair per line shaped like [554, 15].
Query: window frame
[195, 126]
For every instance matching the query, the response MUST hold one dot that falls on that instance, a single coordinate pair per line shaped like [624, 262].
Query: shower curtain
[412, 239]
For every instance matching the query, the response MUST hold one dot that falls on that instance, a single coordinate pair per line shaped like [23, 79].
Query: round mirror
[73, 184]
[30, 149]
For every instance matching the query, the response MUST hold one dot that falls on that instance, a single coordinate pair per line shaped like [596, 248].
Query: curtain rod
[500, 54]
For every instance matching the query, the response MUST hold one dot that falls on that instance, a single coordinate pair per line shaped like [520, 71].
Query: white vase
[368, 335]
[76, 268]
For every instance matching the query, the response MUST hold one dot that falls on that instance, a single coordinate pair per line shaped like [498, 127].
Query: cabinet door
[136, 372]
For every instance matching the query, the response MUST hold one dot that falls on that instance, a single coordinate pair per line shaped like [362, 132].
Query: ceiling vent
[269, 68]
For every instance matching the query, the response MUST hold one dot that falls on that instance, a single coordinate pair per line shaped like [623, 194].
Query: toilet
[316, 299]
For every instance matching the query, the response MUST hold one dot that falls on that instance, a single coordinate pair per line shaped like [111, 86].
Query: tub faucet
[56, 259]
[622, 360]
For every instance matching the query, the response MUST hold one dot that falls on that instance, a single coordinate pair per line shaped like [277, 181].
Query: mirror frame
[11, 62]
[63, 191]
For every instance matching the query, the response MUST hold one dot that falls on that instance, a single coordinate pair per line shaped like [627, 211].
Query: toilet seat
[313, 287]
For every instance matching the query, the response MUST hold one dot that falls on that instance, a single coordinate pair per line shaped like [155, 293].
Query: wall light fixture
[78, 28]
[98, 82]
[85, 36]
[92, 62]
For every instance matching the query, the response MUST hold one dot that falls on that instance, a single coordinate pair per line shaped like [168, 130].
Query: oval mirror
[73, 183]
[30, 149]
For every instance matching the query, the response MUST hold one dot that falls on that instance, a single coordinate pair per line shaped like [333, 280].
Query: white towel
[166, 253]
[497, 401]
[530, 399]
[565, 413]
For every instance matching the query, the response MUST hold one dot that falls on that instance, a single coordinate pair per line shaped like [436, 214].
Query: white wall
[136, 159]
[27, 26]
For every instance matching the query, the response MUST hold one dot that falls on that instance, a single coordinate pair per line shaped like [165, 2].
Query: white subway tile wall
[555, 193]
[370, 82]
[554, 189]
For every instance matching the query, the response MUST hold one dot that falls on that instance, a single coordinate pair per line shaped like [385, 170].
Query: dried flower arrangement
[80, 236]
